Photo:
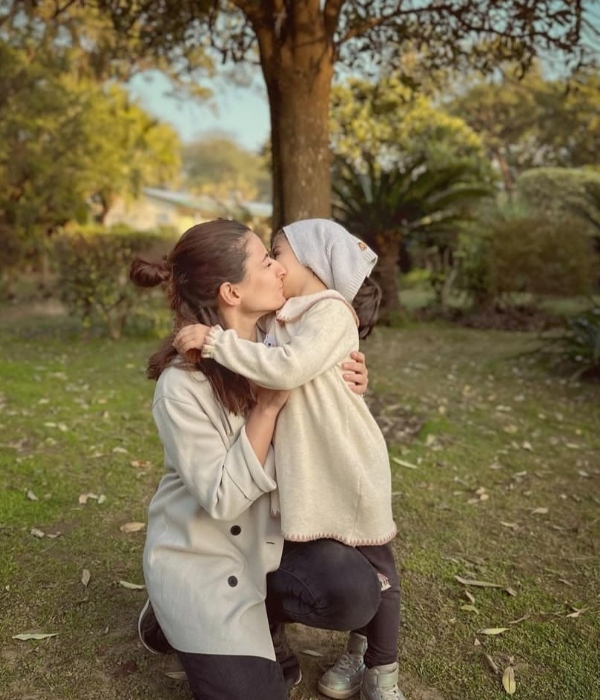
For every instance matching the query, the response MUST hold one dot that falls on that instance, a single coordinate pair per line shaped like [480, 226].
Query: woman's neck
[244, 326]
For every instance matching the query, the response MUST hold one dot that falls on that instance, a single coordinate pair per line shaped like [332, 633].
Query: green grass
[503, 440]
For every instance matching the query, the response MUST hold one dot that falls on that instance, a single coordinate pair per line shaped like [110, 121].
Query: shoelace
[347, 663]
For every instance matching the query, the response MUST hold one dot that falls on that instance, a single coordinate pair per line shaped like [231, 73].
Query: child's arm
[325, 338]
[190, 337]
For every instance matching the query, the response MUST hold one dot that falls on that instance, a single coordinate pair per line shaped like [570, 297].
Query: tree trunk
[386, 271]
[297, 59]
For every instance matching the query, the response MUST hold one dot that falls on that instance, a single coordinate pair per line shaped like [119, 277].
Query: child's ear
[229, 293]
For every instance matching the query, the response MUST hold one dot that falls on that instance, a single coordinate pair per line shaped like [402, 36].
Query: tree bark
[297, 58]
[386, 270]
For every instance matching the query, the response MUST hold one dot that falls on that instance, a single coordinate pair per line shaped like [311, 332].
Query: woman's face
[262, 288]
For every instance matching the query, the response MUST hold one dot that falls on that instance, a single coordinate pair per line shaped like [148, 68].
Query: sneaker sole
[176, 675]
[139, 628]
[297, 681]
[338, 694]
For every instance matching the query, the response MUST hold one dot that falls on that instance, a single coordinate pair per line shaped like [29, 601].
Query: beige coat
[333, 467]
[211, 538]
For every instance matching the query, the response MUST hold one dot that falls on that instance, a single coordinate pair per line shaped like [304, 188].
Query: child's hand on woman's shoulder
[190, 337]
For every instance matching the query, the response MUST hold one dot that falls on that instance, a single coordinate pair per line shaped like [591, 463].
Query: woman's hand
[271, 400]
[261, 421]
[190, 337]
[356, 373]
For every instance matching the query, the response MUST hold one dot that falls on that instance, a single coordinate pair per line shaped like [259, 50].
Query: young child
[331, 458]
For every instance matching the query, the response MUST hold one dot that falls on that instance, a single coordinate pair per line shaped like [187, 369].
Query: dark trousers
[328, 585]
[322, 584]
[219, 677]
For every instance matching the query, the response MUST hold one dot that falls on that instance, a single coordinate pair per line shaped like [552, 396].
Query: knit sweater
[331, 459]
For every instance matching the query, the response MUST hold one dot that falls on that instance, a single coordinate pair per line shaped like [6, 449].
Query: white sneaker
[343, 679]
[381, 683]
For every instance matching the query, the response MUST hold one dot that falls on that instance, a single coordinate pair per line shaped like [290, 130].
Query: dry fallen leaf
[469, 608]
[31, 496]
[37, 533]
[492, 630]
[132, 586]
[480, 584]
[521, 619]
[132, 527]
[492, 663]
[577, 612]
[85, 497]
[140, 463]
[35, 635]
[470, 597]
[539, 511]
[85, 577]
[508, 680]
[402, 463]
[310, 652]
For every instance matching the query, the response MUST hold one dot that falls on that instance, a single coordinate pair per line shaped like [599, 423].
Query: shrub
[561, 193]
[579, 343]
[537, 256]
[93, 274]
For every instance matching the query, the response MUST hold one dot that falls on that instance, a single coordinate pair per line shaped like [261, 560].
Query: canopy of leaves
[219, 166]
[66, 139]
[365, 33]
[563, 193]
[534, 121]
[389, 122]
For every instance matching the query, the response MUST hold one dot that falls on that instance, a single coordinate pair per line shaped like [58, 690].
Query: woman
[213, 552]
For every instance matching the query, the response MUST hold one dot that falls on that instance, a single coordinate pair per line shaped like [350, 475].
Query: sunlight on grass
[502, 486]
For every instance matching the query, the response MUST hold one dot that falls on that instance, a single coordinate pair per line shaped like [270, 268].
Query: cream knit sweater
[331, 459]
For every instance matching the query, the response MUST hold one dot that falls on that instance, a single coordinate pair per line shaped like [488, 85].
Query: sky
[241, 112]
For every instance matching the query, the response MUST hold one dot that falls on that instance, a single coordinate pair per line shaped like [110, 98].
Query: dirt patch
[397, 423]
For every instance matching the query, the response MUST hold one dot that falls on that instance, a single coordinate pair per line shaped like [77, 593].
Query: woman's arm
[260, 425]
[225, 479]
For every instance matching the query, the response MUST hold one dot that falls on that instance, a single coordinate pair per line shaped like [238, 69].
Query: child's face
[297, 274]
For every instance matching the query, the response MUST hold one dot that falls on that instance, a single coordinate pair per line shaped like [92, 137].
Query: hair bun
[149, 274]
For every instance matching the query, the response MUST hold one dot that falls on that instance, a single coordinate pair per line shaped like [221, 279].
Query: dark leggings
[329, 585]
[321, 584]
[382, 630]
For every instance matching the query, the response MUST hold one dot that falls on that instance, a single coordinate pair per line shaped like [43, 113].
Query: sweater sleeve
[324, 337]
[225, 481]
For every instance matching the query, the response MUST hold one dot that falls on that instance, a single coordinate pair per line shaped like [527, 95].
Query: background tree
[534, 121]
[299, 45]
[384, 205]
[219, 166]
[409, 172]
[66, 140]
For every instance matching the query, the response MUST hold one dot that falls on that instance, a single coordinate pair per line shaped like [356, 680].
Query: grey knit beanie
[339, 259]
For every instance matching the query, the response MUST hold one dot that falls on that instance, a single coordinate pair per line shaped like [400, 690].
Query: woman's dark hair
[205, 256]
[366, 305]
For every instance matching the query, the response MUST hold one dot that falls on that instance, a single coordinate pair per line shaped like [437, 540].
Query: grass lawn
[501, 485]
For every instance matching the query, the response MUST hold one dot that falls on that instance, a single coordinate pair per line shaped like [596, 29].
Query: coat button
[232, 581]
[235, 529]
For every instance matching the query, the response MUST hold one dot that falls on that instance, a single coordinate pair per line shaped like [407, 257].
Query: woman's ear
[229, 294]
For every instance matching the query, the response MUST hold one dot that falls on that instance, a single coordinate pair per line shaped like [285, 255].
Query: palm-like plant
[384, 205]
